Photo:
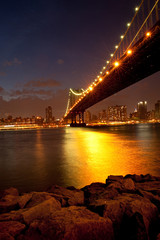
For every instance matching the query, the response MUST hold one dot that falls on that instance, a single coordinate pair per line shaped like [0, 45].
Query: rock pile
[123, 208]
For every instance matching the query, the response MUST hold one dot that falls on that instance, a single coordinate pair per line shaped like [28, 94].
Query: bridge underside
[144, 61]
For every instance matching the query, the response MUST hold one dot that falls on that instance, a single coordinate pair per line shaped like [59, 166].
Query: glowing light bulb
[128, 24]
[107, 72]
[129, 51]
[100, 79]
[107, 62]
[90, 88]
[121, 36]
[148, 34]
[111, 54]
[116, 64]
[116, 46]
[104, 67]
[136, 9]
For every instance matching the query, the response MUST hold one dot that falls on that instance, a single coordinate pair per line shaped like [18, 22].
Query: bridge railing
[146, 15]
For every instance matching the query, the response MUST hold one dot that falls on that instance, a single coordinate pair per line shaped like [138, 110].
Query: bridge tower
[77, 118]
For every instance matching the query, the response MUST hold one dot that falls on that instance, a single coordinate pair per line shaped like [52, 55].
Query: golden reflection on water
[92, 155]
[40, 163]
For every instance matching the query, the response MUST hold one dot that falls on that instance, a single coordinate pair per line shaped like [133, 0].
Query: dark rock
[71, 197]
[36, 198]
[158, 237]
[24, 199]
[12, 216]
[123, 207]
[74, 223]
[6, 236]
[115, 178]
[11, 227]
[11, 191]
[8, 203]
[134, 177]
[155, 199]
[150, 186]
[40, 211]
[96, 191]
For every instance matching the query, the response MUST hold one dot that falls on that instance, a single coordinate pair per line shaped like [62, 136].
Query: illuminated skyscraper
[142, 110]
[117, 113]
[49, 114]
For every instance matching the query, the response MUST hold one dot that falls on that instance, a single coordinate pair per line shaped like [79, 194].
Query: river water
[36, 159]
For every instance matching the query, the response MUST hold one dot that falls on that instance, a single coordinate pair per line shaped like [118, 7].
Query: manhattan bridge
[136, 56]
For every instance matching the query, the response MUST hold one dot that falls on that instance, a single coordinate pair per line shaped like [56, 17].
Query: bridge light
[104, 67]
[148, 34]
[121, 36]
[116, 64]
[100, 79]
[136, 9]
[111, 54]
[107, 72]
[128, 24]
[107, 62]
[90, 88]
[116, 46]
[129, 52]
[97, 76]
[100, 72]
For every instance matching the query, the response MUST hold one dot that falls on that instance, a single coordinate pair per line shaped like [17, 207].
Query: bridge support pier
[81, 120]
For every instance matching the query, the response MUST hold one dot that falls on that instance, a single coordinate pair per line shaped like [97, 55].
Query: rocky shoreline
[122, 208]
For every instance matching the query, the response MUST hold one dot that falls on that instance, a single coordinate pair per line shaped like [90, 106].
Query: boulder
[115, 178]
[127, 209]
[40, 211]
[13, 228]
[12, 216]
[134, 177]
[155, 199]
[150, 186]
[24, 199]
[11, 191]
[97, 191]
[8, 203]
[36, 198]
[74, 223]
[74, 197]
[6, 236]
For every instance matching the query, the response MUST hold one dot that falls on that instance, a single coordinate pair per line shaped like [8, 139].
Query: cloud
[43, 94]
[42, 83]
[2, 74]
[14, 62]
[30, 106]
[60, 61]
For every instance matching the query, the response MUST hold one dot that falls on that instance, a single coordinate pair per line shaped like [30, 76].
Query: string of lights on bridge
[110, 65]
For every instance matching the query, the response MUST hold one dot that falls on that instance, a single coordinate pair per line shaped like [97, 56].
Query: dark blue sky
[48, 46]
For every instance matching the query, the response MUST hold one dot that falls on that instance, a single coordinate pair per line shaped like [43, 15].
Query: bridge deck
[142, 63]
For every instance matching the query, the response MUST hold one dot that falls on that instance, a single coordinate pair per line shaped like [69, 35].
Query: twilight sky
[48, 46]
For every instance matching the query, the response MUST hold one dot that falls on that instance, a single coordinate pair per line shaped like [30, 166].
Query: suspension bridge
[135, 57]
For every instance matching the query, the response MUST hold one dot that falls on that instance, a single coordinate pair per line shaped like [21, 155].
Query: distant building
[94, 118]
[151, 115]
[87, 117]
[117, 113]
[134, 115]
[157, 110]
[49, 114]
[102, 116]
[142, 110]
